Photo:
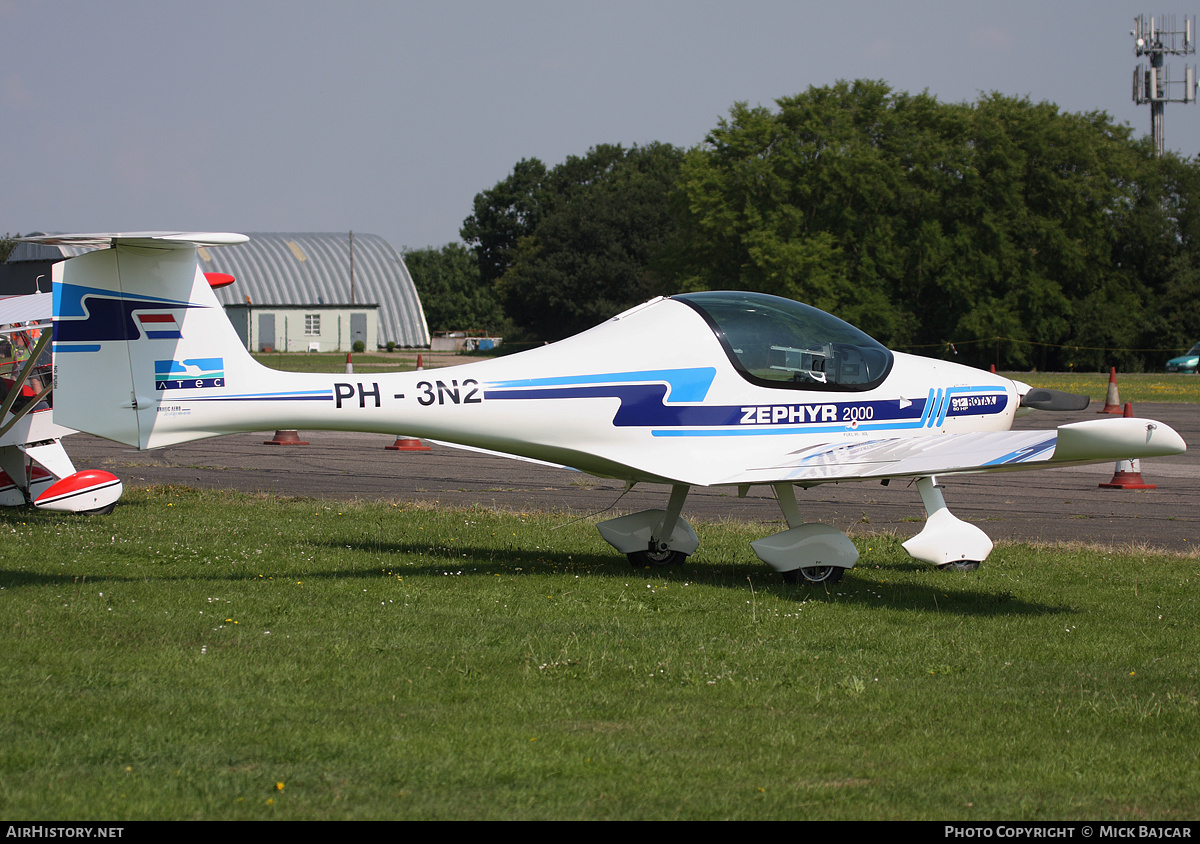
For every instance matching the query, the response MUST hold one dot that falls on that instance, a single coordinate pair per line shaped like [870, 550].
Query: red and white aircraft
[34, 466]
[700, 389]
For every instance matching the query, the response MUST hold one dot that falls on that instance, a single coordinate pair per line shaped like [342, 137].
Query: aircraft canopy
[776, 342]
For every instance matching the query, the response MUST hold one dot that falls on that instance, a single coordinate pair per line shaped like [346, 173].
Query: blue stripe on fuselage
[648, 406]
[689, 384]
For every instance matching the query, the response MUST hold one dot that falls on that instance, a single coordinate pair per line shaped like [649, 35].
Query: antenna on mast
[1158, 38]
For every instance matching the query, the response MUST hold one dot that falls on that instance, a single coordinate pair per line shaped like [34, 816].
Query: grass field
[207, 655]
[402, 360]
[1133, 387]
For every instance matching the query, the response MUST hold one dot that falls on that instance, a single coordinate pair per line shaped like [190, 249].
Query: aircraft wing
[1094, 441]
[35, 307]
[503, 454]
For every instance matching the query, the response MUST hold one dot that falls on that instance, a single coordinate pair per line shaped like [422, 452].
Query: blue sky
[389, 116]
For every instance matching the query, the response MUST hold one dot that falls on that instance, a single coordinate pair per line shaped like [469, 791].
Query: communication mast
[1158, 38]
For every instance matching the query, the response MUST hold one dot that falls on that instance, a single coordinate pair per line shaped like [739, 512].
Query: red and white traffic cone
[286, 438]
[404, 443]
[349, 365]
[1128, 474]
[1112, 401]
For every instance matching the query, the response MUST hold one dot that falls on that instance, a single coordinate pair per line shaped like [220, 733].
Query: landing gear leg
[660, 553]
[785, 494]
[946, 541]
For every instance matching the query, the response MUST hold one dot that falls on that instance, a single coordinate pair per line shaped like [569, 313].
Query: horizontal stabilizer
[165, 240]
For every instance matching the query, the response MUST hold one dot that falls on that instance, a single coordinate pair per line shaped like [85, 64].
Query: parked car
[1186, 363]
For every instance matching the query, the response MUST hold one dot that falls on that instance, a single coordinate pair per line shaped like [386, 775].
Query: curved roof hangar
[315, 269]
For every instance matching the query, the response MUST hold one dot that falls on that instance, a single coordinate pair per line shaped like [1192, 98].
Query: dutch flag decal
[160, 326]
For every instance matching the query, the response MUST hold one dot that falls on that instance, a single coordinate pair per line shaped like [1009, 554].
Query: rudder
[132, 323]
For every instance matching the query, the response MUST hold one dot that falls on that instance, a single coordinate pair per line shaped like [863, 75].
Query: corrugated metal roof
[314, 268]
[306, 269]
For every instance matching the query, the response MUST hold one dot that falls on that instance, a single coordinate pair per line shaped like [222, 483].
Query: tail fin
[133, 322]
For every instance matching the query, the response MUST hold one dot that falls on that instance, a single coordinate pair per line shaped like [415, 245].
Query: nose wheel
[814, 574]
[653, 538]
[656, 559]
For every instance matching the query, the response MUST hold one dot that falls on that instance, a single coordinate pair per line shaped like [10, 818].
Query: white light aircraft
[701, 389]
[34, 466]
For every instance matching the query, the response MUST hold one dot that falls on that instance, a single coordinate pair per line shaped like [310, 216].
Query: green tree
[821, 201]
[571, 246]
[1053, 205]
[504, 215]
[926, 223]
[7, 244]
[1166, 249]
[452, 295]
[511, 211]
[593, 254]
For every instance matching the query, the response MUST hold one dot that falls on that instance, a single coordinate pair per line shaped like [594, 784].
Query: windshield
[776, 342]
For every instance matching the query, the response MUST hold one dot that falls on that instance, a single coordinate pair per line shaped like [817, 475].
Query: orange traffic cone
[420, 366]
[1128, 474]
[1112, 401]
[404, 443]
[286, 438]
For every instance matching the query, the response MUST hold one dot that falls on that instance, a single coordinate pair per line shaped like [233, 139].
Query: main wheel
[814, 574]
[961, 565]
[656, 559]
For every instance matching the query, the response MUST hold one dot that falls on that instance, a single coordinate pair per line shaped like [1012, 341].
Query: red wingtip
[89, 491]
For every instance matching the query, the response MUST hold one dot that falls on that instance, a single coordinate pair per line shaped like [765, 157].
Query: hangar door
[266, 332]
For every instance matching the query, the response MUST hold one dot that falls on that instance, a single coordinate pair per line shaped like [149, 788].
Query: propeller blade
[1041, 399]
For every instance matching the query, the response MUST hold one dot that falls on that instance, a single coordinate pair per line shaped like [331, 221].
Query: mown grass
[207, 655]
[1132, 387]
[403, 360]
